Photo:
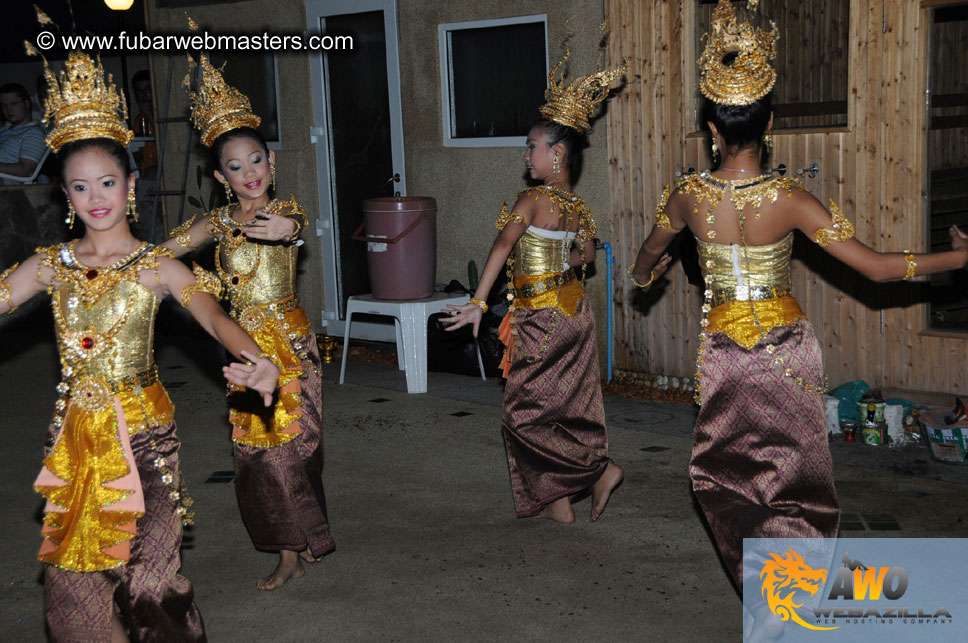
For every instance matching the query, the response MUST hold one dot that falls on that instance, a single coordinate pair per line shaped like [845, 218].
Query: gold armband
[661, 218]
[204, 282]
[912, 266]
[5, 289]
[842, 230]
[480, 303]
[506, 216]
[182, 235]
[636, 283]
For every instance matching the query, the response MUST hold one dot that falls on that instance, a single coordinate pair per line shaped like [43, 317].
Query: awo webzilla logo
[857, 594]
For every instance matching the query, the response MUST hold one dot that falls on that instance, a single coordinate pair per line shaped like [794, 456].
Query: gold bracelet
[261, 354]
[5, 290]
[912, 266]
[292, 236]
[480, 303]
[637, 284]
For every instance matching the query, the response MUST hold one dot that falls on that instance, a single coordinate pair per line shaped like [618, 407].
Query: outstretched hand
[269, 227]
[260, 374]
[463, 315]
[959, 240]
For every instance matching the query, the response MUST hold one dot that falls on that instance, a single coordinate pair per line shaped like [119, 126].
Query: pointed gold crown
[217, 107]
[573, 105]
[749, 76]
[82, 105]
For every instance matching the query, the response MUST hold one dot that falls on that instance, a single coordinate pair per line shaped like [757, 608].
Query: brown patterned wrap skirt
[155, 601]
[761, 464]
[280, 489]
[553, 421]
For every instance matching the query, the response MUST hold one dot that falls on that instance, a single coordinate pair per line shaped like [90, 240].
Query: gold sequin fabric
[104, 316]
[254, 273]
[104, 319]
[278, 329]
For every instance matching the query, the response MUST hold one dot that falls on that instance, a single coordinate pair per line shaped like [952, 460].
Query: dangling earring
[555, 165]
[132, 206]
[768, 142]
[228, 193]
[71, 213]
[272, 176]
[715, 151]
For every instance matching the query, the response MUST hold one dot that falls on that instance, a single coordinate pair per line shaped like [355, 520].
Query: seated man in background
[21, 139]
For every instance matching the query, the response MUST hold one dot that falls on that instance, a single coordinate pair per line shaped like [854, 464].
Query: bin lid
[400, 204]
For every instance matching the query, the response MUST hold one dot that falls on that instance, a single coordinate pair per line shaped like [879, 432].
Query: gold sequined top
[254, 272]
[104, 316]
[536, 254]
[743, 273]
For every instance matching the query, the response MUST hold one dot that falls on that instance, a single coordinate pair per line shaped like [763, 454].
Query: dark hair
[141, 76]
[740, 125]
[15, 88]
[107, 145]
[239, 132]
[574, 142]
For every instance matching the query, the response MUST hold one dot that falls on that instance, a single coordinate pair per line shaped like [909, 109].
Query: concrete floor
[428, 548]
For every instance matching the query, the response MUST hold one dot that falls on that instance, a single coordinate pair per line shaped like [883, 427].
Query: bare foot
[308, 557]
[288, 568]
[560, 511]
[603, 488]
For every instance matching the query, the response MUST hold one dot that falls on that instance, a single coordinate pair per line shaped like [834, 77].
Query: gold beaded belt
[93, 394]
[553, 282]
[143, 379]
[748, 293]
[287, 305]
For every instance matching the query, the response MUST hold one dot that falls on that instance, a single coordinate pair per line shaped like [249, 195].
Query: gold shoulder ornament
[661, 218]
[204, 282]
[506, 216]
[841, 229]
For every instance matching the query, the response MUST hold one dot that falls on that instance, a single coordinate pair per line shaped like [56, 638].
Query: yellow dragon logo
[789, 572]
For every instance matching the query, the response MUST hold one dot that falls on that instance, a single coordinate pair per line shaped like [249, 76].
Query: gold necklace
[92, 282]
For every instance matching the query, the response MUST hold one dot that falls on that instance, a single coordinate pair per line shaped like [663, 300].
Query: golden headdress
[573, 105]
[217, 107]
[82, 105]
[749, 76]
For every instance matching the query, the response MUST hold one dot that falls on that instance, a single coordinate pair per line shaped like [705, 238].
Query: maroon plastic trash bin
[401, 246]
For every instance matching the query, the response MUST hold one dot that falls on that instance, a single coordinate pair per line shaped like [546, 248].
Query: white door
[358, 134]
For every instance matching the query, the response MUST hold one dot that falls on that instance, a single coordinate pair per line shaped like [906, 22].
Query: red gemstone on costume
[235, 281]
[236, 232]
[87, 343]
[91, 274]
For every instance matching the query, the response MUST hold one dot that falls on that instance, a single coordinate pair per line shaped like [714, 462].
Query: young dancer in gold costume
[115, 503]
[761, 463]
[278, 451]
[553, 420]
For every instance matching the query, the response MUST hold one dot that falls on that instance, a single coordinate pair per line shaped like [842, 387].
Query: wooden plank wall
[874, 168]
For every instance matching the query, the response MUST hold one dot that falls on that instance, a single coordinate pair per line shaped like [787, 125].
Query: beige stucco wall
[469, 184]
